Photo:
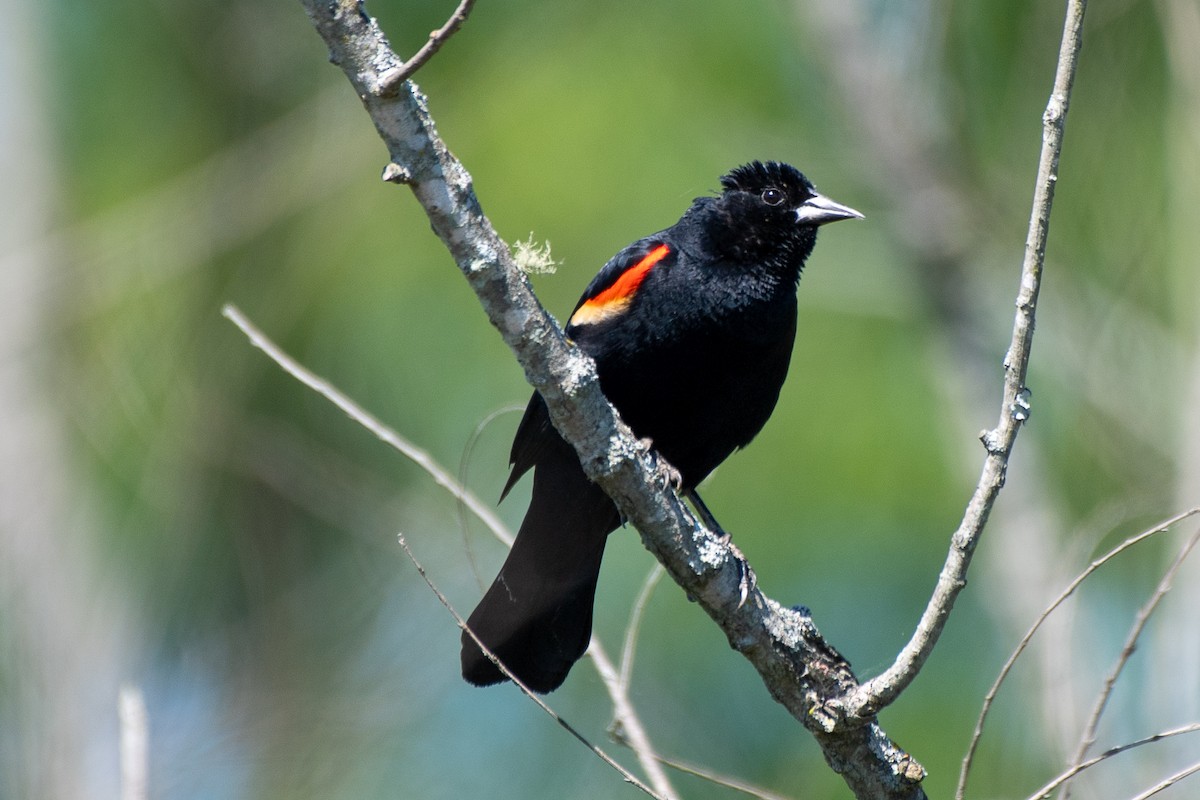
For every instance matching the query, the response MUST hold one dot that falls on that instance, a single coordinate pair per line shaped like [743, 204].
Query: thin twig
[463, 466]
[1048, 789]
[883, 689]
[721, 780]
[1143, 616]
[629, 648]
[462, 624]
[626, 726]
[990, 697]
[364, 418]
[393, 79]
[1169, 782]
[937, 221]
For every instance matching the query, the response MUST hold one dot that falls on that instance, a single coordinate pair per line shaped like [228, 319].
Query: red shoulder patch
[616, 297]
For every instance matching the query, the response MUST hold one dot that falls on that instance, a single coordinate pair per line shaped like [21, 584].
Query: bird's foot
[666, 473]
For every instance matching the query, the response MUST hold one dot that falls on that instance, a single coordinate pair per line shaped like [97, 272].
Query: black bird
[691, 330]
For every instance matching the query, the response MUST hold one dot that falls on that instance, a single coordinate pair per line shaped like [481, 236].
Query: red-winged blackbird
[691, 330]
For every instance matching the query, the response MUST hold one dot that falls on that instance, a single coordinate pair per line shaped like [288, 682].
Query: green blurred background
[181, 517]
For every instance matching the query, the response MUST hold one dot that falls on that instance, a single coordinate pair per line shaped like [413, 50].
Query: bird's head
[771, 213]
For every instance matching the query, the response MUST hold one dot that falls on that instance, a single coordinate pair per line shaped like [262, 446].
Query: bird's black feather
[691, 330]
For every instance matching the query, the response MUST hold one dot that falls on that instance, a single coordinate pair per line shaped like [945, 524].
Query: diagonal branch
[1048, 789]
[1167, 783]
[801, 671]
[393, 80]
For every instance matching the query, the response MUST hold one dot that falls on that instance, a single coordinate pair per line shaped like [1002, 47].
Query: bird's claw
[747, 580]
[666, 473]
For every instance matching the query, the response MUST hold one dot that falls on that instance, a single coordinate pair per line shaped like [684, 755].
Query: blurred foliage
[207, 153]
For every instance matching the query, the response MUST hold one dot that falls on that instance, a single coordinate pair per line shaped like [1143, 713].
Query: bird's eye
[772, 197]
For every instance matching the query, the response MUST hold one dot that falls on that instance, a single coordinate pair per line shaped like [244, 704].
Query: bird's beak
[819, 209]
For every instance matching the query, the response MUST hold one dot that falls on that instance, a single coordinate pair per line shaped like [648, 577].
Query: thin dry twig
[883, 689]
[619, 727]
[364, 418]
[1088, 737]
[990, 697]
[462, 624]
[626, 727]
[392, 80]
[1048, 789]
[1167, 783]
[722, 780]
[463, 465]
[629, 648]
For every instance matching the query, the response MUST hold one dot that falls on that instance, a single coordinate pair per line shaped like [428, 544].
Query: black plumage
[691, 330]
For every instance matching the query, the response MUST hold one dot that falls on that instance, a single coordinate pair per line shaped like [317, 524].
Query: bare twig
[462, 624]
[990, 697]
[627, 726]
[463, 482]
[722, 780]
[883, 689]
[1167, 783]
[1139, 623]
[1048, 789]
[629, 648]
[392, 80]
[382, 432]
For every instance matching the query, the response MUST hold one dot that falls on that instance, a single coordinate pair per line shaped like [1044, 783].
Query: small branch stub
[394, 173]
[1020, 407]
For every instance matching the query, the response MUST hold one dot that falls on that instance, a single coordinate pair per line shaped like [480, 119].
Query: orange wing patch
[616, 298]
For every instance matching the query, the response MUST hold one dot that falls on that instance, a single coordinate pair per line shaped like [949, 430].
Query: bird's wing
[613, 288]
[609, 293]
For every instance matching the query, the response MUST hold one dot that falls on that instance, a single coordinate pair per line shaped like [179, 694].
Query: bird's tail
[537, 615]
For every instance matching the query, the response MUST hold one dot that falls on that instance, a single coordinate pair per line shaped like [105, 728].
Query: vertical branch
[883, 689]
